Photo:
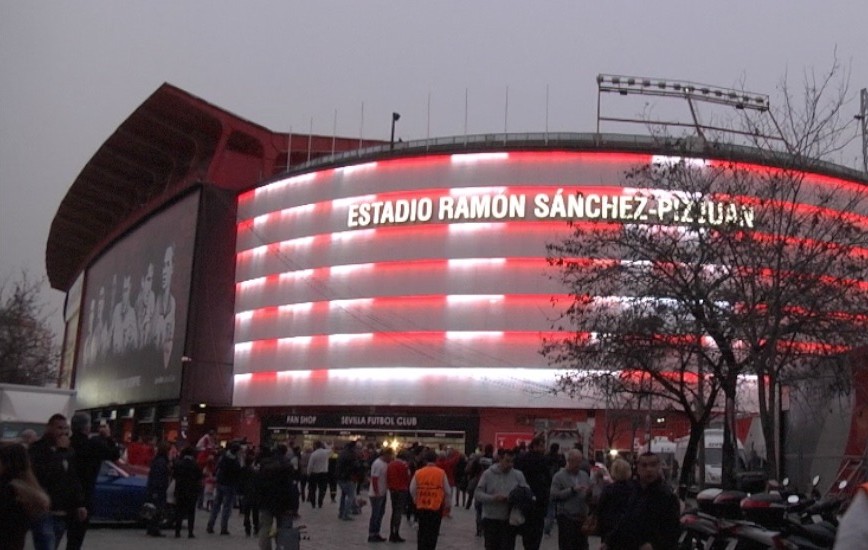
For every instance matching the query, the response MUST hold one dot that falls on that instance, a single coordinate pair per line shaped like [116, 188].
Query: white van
[713, 456]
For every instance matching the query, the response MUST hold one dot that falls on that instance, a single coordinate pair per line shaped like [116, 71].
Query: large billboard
[135, 312]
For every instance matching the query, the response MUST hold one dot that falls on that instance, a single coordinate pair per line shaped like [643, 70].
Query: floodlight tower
[689, 91]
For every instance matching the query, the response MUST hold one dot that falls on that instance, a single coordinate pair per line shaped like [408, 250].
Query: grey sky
[71, 72]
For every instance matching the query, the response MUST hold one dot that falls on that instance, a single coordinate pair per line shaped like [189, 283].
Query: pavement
[323, 530]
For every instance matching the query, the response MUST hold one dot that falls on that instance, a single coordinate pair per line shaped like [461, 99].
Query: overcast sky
[71, 72]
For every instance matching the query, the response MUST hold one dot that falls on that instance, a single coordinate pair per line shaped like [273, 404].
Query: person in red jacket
[447, 462]
[398, 483]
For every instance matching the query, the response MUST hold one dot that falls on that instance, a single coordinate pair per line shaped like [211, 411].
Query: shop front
[393, 429]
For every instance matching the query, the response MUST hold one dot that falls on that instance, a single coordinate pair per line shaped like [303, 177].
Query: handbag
[589, 526]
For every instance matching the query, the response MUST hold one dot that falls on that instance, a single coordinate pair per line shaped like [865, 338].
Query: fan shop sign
[373, 421]
[353, 421]
[560, 205]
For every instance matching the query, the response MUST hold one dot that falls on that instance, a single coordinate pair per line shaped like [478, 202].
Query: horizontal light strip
[398, 231]
[407, 265]
[347, 170]
[471, 158]
[397, 337]
[408, 373]
[402, 302]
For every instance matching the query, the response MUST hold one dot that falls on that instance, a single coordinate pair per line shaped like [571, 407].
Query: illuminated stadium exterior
[381, 292]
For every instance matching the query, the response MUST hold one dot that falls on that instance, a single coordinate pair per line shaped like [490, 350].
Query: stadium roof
[171, 142]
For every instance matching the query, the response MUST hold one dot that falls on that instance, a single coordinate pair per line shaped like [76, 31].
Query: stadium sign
[666, 208]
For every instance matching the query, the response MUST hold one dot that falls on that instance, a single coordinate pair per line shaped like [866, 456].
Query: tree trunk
[728, 469]
[768, 409]
[686, 476]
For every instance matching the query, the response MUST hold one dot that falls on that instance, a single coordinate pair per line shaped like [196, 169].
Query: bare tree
[760, 271]
[754, 271]
[28, 352]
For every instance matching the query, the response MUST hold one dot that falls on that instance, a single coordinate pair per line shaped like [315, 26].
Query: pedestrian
[89, 455]
[556, 461]
[228, 478]
[461, 480]
[614, 499]
[650, 518]
[535, 467]
[432, 496]
[492, 494]
[303, 476]
[22, 500]
[348, 464]
[159, 476]
[277, 492]
[188, 484]
[248, 496]
[53, 462]
[398, 483]
[569, 491]
[378, 492]
[480, 462]
[318, 474]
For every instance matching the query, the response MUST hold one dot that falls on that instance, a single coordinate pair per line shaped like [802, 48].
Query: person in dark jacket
[158, 483]
[535, 467]
[188, 484]
[348, 466]
[228, 480]
[53, 463]
[89, 454]
[614, 498]
[248, 497]
[277, 492]
[650, 518]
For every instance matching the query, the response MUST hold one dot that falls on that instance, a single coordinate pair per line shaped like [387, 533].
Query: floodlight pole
[863, 119]
[395, 118]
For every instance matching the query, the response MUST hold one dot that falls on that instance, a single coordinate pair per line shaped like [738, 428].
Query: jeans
[348, 497]
[48, 531]
[225, 499]
[378, 510]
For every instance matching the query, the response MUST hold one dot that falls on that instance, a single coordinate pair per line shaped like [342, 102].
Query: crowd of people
[520, 493]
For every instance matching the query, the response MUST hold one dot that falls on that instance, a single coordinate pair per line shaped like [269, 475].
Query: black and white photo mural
[135, 312]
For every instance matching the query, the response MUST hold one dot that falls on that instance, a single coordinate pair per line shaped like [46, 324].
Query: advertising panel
[135, 306]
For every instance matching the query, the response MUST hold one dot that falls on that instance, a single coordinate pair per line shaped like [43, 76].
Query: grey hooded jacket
[495, 482]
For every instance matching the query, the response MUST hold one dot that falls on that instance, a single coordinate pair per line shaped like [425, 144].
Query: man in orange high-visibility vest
[853, 530]
[432, 495]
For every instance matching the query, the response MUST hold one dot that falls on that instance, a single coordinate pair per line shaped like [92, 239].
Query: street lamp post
[395, 118]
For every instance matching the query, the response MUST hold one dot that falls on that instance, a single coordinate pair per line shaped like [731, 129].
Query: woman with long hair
[22, 500]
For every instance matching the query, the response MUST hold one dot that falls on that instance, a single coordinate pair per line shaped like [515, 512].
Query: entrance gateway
[398, 430]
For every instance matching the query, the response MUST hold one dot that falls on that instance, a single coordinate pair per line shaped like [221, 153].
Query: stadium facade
[221, 275]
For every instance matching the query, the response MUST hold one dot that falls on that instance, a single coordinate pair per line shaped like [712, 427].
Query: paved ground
[324, 530]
